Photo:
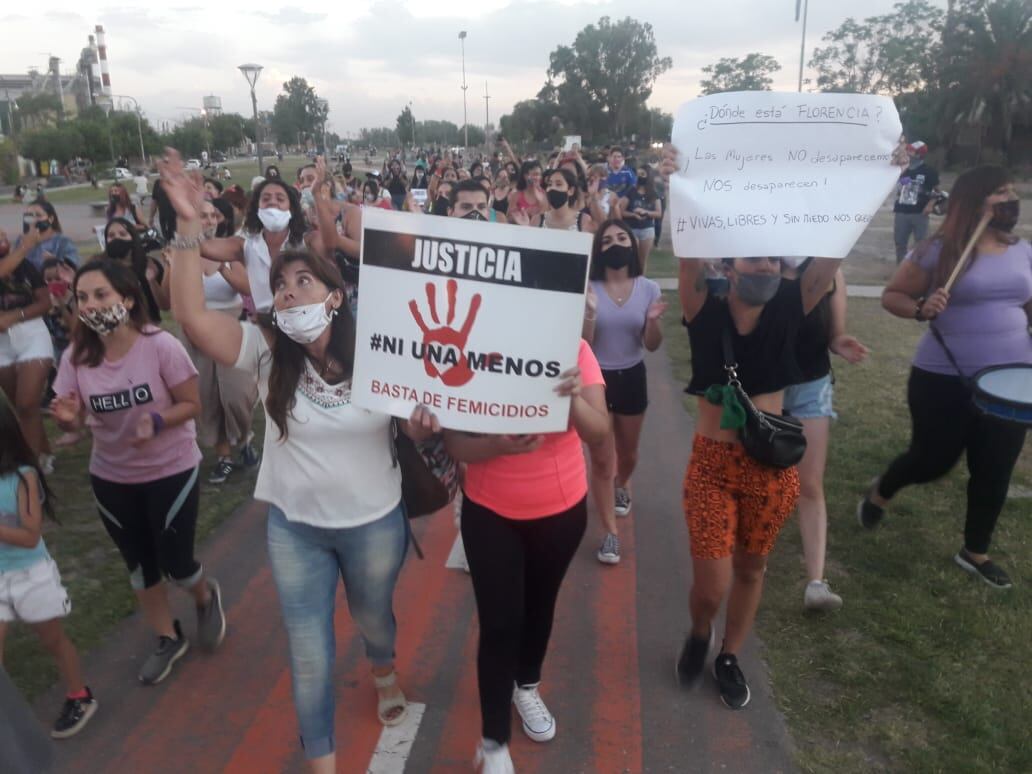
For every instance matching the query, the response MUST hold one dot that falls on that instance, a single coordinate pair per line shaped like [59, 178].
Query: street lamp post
[802, 48]
[324, 108]
[251, 73]
[413, 117]
[465, 121]
[139, 124]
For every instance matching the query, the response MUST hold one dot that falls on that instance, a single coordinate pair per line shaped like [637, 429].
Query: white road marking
[392, 751]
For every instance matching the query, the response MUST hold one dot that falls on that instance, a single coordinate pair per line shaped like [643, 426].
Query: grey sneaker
[819, 596]
[211, 619]
[609, 553]
[622, 501]
[160, 662]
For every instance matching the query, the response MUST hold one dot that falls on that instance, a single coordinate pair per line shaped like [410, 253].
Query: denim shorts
[642, 234]
[811, 400]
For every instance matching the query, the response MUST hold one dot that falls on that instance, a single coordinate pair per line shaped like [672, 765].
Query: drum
[1005, 392]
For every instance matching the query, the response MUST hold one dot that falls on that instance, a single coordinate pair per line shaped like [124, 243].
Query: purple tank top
[985, 323]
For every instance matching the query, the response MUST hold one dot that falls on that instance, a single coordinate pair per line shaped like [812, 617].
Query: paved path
[608, 677]
[854, 291]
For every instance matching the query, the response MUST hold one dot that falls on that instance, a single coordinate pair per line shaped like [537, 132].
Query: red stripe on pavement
[616, 713]
[461, 733]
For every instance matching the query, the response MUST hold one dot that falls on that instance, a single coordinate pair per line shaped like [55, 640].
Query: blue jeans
[306, 562]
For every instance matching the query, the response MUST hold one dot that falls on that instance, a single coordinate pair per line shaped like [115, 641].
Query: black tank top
[813, 338]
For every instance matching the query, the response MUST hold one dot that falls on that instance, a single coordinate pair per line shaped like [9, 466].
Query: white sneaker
[495, 760]
[819, 596]
[621, 501]
[538, 722]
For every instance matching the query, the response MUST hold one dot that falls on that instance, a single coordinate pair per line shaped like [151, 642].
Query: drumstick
[967, 250]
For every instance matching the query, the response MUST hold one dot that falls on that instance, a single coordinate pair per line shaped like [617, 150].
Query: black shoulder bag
[771, 439]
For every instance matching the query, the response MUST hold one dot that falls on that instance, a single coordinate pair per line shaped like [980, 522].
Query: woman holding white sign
[622, 321]
[328, 471]
[980, 322]
[734, 504]
[524, 513]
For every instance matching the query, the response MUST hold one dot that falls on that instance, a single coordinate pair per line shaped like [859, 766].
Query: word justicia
[474, 261]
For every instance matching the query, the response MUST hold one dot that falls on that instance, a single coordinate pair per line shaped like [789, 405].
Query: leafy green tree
[605, 77]
[890, 54]
[750, 73]
[227, 131]
[35, 110]
[297, 113]
[405, 125]
[382, 137]
[529, 122]
[62, 142]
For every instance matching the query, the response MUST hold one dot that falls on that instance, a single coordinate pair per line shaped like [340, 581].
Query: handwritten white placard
[770, 173]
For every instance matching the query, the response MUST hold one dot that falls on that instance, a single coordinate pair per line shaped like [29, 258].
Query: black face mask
[474, 215]
[441, 205]
[115, 201]
[118, 248]
[557, 199]
[617, 256]
[1005, 215]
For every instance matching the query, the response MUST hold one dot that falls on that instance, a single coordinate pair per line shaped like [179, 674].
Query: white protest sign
[570, 140]
[419, 196]
[474, 320]
[768, 173]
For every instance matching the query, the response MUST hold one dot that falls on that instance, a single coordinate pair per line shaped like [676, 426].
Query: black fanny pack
[771, 439]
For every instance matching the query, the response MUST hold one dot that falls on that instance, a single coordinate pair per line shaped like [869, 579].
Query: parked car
[192, 164]
[218, 156]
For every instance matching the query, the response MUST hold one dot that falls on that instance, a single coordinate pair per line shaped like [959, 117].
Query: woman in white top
[328, 471]
[228, 396]
[562, 195]
[274, 221]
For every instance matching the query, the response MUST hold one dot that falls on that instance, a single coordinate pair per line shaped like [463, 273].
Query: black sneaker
[160, 662]
[867, 513]
[223, 470]
[734, 690]
[693, 657]
[75, 714]
[991, 573]
[249, 456]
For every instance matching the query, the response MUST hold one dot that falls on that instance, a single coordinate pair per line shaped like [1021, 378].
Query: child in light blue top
[30, 585]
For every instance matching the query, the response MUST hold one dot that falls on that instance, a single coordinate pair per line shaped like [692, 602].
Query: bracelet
[917, 310]
[158, 421]
[179, 242]
[22, 314]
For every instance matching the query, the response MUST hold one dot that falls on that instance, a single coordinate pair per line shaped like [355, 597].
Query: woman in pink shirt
[524, 513]
[136, 388]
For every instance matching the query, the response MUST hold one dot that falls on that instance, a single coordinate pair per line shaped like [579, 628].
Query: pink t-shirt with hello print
[116, 394]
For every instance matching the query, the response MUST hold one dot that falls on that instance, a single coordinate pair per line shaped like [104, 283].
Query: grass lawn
[925, 668]
[91, 567]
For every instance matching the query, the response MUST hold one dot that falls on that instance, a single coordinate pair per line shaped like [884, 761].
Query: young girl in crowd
[30, 585]
[41, 216]
[528, 198]
[26, 351]
[328, 469]
[524, 513]
[59, 276]
[640, 207]
[983, 321]
[810, 401]
[122, 243]
[561, 195]
[121, 206]
[135, 386]
[622, 321]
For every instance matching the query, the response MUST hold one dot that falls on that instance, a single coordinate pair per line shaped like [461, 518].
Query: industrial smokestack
[105, 75]
[93, 71]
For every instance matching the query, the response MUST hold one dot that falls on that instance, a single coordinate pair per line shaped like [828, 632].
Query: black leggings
[517, 567]
[946, 424]
[153, 524]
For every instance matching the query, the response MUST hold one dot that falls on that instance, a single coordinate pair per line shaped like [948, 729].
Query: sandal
[384, 706]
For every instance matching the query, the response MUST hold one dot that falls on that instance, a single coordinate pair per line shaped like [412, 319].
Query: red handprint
[460, 373]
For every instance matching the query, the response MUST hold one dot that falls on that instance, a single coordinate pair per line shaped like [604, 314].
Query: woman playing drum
[983, 321]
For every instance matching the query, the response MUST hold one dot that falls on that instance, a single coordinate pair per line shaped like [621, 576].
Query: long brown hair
[87, 347]
[288, 357]
[963, 213]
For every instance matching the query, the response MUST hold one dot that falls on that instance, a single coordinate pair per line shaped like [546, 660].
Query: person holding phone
[42, 216]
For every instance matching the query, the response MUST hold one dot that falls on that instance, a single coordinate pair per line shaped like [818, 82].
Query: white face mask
[274, 219]
[305, 323]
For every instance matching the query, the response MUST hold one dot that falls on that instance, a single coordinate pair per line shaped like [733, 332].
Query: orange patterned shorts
[731, 500]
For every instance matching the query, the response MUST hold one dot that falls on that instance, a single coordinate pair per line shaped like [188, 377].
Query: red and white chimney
[105, 75]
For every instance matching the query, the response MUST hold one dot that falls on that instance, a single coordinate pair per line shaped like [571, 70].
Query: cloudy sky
[371, 57]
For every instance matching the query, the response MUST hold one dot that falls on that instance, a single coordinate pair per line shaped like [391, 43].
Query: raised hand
[668, 165]
[185, 192]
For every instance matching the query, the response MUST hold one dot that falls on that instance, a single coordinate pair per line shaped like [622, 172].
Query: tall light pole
[139, 124]
[324, 109]
[802, 48]
[251, 73]
[413, 117]
[487, 111]
[465, 121]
